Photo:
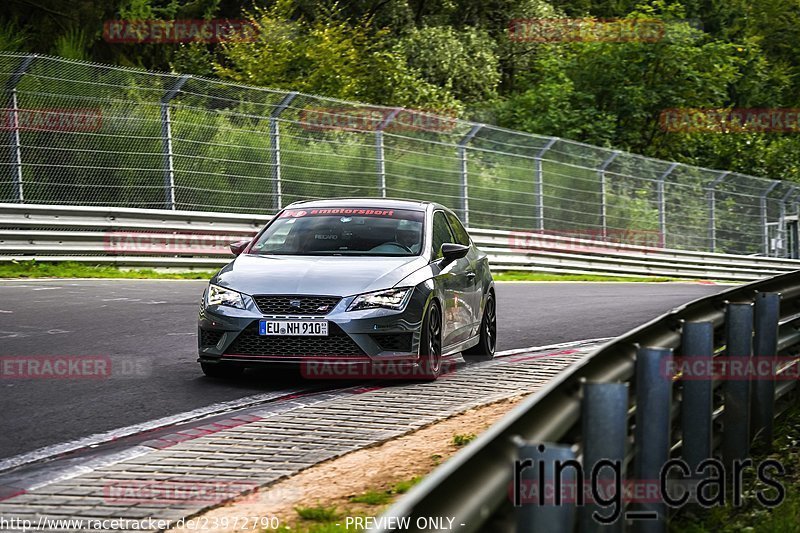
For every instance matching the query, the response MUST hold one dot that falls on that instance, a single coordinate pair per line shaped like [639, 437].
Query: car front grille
[337, 343]
[393, 342]
[210, 337]
[296, 305]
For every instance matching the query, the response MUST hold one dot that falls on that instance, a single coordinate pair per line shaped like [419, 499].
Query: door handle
[471, 275]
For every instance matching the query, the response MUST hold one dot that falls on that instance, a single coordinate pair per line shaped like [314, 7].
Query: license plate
[316, 328]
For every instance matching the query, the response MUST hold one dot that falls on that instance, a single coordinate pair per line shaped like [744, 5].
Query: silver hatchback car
[374, 283]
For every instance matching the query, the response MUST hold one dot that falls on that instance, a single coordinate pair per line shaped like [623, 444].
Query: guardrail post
[652, 435]
[765, 217]
[662, 212]
[765, 348]
[697, 344]
[15, 142]
[275, 152]
[736, 416]
[601, 173]
[782, 222]
[711, 194]
[379, 150]
[539, 185]
[462, 159]
[546, 514]
[166, 140]
[604, 410]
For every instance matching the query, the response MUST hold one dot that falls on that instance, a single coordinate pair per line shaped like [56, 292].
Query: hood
[334, 276]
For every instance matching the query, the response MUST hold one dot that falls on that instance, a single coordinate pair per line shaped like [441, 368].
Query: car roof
[388, 203]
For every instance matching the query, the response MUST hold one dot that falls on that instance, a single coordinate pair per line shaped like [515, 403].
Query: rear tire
[221, 370]
[430, 346]
[484, 350]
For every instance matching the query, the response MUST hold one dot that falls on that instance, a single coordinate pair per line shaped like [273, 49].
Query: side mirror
[238, 247]
[452, 251]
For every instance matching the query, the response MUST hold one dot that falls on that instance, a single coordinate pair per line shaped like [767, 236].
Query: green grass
[373, 497]
[540, 276]
[325, 527]
[320, 513]
[34, 269]
[401, 487]
[752, 516]
[463, 440]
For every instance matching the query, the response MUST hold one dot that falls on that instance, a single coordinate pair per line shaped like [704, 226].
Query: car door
[474, 274]
[454, 281]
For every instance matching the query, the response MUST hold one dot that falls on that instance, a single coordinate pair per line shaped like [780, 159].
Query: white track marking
[97, 439]
[108, 436]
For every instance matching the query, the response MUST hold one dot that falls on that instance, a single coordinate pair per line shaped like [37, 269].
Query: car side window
[461, 235]
[441, 234]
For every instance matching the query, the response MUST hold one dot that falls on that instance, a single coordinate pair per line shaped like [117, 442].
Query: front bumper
[230, 335]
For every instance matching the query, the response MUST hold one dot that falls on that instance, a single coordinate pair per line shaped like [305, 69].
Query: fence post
[697, 344]
[712, 210]
[462, 158]
[379, 150]
[275, 152]
[604, 411]
[662, 213]
[545, 515]
[601, 173]
[166, 140]
[15, 144]
[539, 185]
[765, 218]
[736, 416]
[765, 348]
[782, 221]
[652, 440]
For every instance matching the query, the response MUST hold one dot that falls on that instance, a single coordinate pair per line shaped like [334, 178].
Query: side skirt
[461, 346]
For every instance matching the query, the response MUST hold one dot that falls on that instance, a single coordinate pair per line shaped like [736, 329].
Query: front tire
[430, 346]
[221, 370]
[484, 350]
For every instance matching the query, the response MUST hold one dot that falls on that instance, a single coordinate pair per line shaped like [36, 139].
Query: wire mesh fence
[78, 133]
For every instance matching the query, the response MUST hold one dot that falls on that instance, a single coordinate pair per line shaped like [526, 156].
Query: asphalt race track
[146, 329]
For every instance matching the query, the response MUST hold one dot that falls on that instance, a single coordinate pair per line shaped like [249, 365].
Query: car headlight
[221, 296]
[387, 299]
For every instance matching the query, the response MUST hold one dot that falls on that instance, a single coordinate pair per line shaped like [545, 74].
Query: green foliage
[373, 497]
[12, 38]
[73, 45]
[327, 56]
[457, 56]
[319, 513]
[68, 269]
[401, 487]
[539, 276]
[461, 61]
[463, 439]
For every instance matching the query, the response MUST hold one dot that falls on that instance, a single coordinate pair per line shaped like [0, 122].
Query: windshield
[343, 231]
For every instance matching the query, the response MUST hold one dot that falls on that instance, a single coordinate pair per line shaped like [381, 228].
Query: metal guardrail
[161, 238]
[587, 414]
